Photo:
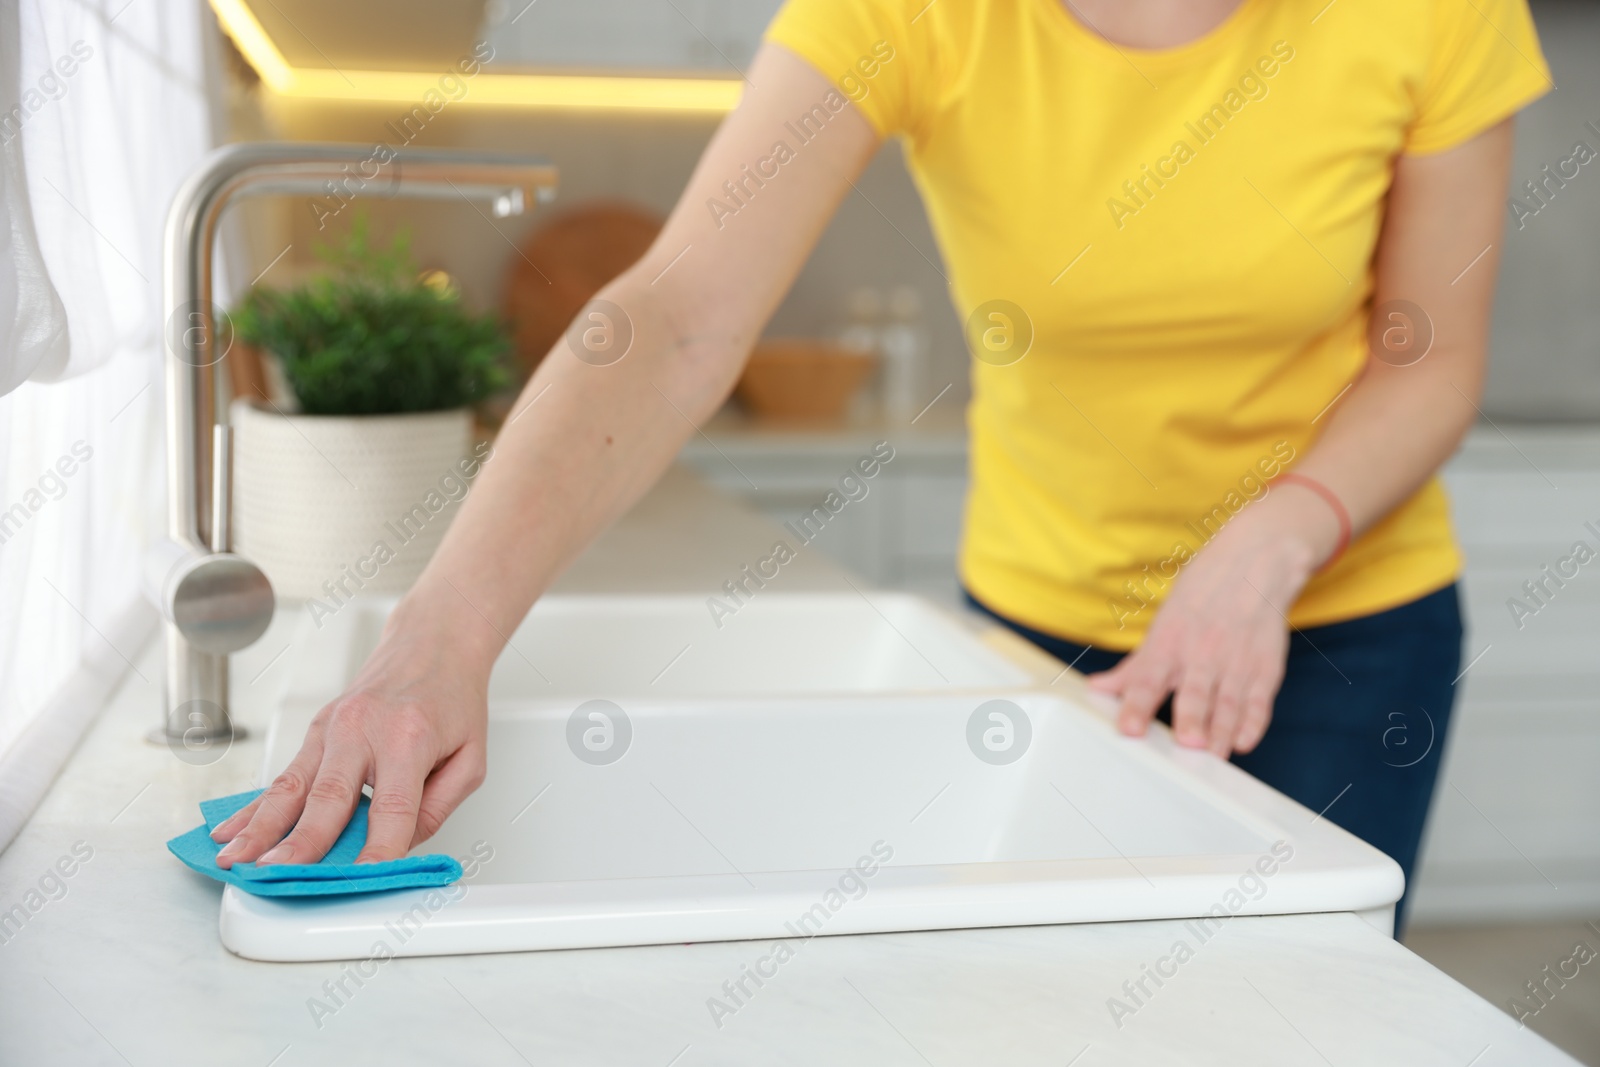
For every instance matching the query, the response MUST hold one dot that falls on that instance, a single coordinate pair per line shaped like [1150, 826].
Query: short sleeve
[875, 52]
[1485, 66]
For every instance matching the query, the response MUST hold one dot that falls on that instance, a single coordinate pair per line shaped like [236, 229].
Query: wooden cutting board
[564, 263]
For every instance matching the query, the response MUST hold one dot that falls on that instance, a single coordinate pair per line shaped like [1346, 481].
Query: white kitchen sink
[822, 763]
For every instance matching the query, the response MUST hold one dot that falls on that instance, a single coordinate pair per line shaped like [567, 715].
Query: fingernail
[276, 854]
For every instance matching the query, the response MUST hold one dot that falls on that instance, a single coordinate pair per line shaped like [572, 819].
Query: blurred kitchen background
[1511, 876]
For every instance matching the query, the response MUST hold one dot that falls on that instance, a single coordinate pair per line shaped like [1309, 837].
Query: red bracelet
[1333, 502]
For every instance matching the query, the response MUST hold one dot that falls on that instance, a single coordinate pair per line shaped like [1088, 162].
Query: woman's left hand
[1220, 640]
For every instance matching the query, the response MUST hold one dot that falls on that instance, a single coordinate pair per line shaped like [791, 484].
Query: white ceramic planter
[330, 506]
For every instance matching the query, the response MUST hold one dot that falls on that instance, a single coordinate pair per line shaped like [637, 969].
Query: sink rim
[1033, 667]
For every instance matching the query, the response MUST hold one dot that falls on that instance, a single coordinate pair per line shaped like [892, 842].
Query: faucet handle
[219, 602]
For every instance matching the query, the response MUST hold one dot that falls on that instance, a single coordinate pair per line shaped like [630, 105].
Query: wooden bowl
[800, 380]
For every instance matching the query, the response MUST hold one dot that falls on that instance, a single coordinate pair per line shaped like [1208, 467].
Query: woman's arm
[1220, 642]
[584, 442]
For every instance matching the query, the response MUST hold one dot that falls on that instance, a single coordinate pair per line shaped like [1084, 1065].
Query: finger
[228, 828]
[1112, 679]
[1256, 713]
[1226, 709]
[330, 802]
[1147, 685]
[274, 812]
[396, 798]
[1192, 705]
[454, 781]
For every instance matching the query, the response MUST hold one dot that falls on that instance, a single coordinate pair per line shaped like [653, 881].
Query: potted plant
[350, 485]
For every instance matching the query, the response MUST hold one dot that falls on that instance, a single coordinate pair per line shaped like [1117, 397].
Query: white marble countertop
[122, 964]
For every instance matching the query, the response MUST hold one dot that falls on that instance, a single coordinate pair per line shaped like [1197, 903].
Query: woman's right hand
[412, 725]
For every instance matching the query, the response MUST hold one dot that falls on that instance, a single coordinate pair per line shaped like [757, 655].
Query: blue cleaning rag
[337, 872]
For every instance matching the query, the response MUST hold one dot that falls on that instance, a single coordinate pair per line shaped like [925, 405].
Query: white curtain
[103, 111]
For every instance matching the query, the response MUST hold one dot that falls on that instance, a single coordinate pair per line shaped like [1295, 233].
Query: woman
[1203, 246]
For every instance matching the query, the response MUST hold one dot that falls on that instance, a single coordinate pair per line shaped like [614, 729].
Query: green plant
[370, 337]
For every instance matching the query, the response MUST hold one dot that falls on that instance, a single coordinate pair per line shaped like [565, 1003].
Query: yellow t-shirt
[1165, 262]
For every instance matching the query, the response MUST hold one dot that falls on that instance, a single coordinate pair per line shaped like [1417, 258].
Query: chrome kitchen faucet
[214, 602]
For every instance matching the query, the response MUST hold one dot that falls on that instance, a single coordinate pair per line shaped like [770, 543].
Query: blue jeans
[1365, 704]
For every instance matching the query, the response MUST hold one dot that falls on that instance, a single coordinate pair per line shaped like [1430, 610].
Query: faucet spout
[215, 602]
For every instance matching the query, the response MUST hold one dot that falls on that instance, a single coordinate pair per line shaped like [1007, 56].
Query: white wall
[1547, 318]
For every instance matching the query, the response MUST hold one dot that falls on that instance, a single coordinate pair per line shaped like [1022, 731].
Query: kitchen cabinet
[707, 37]
[1513, 830]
